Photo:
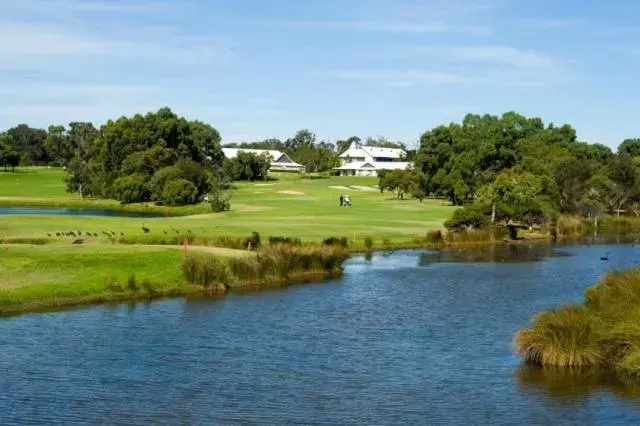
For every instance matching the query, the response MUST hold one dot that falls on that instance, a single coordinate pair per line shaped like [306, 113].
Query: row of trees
[515, 168]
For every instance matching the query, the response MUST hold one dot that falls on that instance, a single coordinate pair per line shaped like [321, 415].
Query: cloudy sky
[256, 69]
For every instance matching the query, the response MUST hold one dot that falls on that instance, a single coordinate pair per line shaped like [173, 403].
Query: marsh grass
[570, 227]
[604, 332]
[273, 264]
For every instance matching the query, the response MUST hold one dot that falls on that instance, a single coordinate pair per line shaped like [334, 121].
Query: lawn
[290, 205]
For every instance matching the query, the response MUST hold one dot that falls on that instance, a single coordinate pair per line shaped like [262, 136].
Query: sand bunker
[263, 184]
[339, 187]
[363, 188]
[290, 192]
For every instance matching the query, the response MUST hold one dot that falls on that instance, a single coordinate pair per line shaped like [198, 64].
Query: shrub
[219, 202]
[229, 242]
[252, 242]
[131, 189]
[336, 241]
[285, 240]
[468, 217]
[179, 192]
[435, 237]
[368, 243]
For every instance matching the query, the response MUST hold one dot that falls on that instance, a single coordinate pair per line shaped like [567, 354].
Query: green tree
[516, 190]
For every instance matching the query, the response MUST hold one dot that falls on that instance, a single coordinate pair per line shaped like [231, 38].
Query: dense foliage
[247, 166]
[514, 168]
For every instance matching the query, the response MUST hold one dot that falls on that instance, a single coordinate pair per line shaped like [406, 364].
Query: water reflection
[567, 385]
[501, 253]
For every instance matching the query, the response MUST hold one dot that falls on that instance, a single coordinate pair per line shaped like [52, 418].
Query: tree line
[500, 168]
[514, 168]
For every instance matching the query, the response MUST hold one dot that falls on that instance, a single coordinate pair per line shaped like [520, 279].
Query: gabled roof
[373, 151]
[382, 165]
[274, 155]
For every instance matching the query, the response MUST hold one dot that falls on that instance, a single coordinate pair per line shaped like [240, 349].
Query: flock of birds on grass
[108, 234]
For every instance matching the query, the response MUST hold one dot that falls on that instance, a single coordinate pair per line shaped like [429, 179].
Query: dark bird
[122, 234]
[57, 234]
[145, 229]
[48, 234]
[605, 257]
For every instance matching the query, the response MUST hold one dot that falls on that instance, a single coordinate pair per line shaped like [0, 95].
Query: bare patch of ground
[345, 188]
[363, 188]
[290, 192]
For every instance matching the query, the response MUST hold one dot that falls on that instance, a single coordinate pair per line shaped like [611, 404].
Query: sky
[257, 69]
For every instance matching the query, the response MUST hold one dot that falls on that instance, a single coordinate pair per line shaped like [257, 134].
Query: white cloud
[389, 27]
[490, 54]
[400, 77]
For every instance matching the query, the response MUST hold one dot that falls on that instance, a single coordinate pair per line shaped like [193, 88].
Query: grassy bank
[603, 332]
[53, 276]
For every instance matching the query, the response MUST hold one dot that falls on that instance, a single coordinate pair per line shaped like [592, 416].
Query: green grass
[34, 277]
[309, 211]
[604, 332]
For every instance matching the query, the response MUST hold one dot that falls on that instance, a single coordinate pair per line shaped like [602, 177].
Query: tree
[29, 143]
[398, 181]
[516, 190]
[9, 157]
[179, 192]
[247, 166]
[630, 147]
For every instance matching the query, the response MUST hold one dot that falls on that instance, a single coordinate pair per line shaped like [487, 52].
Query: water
[74, 212]
[402, 339]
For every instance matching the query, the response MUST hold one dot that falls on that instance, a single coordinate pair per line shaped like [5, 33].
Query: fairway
[290, 205]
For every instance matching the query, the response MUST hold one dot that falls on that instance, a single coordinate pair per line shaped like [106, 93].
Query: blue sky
[256, 68]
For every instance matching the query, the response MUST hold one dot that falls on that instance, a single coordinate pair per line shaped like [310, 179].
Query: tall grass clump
[603, 332]
[564, 337]
[285, 240]
[570, 226]
[336, 241]
[368, 243]
[620, 225]
[435, 237]
[278, 263]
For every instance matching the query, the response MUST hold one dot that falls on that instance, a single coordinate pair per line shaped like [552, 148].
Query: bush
[285, 240]
[206, 271]
[131, 189]
[368, 243]
[435, 237]
[336, 241]
[252, 242]
[468, 217]
[179, 192]
[218, 201]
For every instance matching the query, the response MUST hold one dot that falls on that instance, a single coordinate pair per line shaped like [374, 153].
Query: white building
[360, 160]
[280, 162]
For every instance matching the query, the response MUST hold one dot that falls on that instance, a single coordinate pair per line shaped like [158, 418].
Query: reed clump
[570, 226]
[272, 264]
[604, 332]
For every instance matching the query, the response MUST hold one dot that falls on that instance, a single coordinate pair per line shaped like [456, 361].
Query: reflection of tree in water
[568, 385]
[502, 253]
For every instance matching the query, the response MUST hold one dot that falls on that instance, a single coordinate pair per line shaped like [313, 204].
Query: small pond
[61, 211]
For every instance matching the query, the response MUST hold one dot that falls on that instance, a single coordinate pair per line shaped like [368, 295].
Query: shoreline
[62, 303]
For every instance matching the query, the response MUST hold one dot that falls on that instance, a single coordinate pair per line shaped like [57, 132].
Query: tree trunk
[80, 191]
[493, 213]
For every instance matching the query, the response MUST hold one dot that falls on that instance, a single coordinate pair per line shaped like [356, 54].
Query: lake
[404, 338]
[60, 211]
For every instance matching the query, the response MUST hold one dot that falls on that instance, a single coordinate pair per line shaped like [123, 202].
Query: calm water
[73, 212]
[406, 338]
